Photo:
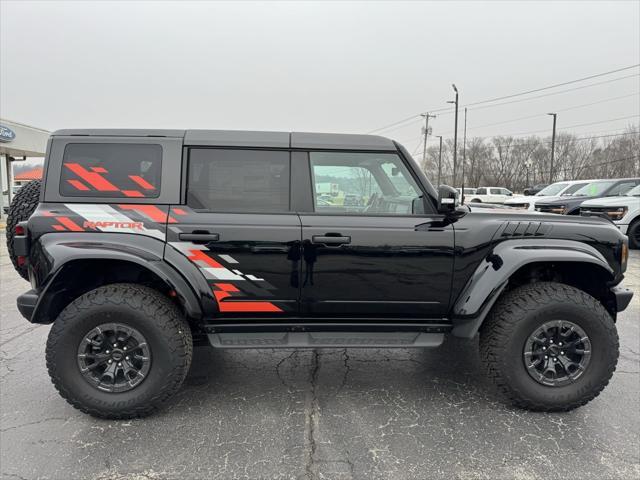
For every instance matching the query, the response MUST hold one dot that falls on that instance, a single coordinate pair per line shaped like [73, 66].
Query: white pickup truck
[489, 195]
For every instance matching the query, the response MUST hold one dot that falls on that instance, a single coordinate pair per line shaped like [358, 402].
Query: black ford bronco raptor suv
[140, 244]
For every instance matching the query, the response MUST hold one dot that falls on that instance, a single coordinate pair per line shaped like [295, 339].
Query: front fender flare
[492, 275]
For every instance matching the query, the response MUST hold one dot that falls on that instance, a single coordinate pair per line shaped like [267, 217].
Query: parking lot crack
[312, 411]
[279, 364]
[347, 369]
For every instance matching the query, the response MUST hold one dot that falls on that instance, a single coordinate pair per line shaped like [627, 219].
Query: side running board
[325, 339]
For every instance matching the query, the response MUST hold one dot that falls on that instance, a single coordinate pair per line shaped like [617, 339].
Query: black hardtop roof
[245, 138]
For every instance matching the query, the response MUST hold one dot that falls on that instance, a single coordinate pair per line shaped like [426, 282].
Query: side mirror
[447, 199]
[417, 206]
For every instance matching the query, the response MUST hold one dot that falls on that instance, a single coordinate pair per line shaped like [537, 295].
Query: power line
[450, 111]
[577, 125]
[446, 109]
[561, 132]
[560, 110]
[553, 86]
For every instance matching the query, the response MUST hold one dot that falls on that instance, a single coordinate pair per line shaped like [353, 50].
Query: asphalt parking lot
[334, 414]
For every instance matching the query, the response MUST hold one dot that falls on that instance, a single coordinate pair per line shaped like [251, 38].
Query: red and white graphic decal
[105, 218]
[224, 292]
[95, 178]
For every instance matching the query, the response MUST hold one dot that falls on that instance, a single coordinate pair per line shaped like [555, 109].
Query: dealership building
[17, 143]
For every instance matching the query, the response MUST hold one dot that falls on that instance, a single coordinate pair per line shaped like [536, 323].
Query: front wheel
[549, 347]
[119, 351]
[634, 234]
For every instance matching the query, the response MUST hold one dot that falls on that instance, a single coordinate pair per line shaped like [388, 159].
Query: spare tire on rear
[22, 206]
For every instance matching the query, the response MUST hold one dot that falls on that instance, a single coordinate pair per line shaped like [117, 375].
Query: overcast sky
[339, 67]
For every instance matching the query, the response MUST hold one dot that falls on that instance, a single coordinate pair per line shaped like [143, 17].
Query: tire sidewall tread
[515, 317]
[159, 321]
[23, 204]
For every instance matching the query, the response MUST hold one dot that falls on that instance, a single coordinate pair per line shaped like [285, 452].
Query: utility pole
[440, 161]
[553, 146]
[455, 137]
[464, 153]
[426, 116]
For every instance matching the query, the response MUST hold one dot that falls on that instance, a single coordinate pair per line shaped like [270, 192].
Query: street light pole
[464, 153]
[553, 146]
[426, 116]
[440, 160]
[455, 137]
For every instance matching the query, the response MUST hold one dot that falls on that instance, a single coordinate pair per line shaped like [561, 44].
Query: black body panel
[391, 266]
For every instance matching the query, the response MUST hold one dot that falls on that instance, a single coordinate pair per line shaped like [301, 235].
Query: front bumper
[623, 297]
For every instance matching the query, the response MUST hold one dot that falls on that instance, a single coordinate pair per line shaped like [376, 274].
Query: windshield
[634, 192]
[552, 189]
[593, 189]
[573, 189]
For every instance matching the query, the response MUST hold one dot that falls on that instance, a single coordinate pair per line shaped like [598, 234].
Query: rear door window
[111, 170]
[243, 181]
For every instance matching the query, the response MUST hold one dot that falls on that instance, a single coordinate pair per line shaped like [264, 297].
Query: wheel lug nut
[107, 351]
[115, 345]
[119, 364]
[560, 343]
[561, 353]
[110, 361]
[126, 358]
[550, 341]
[544, 348]
[546, 356]
[124, 348]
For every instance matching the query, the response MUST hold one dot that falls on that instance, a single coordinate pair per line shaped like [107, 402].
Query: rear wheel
[22, 206]
[549, 347]
[634, 234]
[119, 351]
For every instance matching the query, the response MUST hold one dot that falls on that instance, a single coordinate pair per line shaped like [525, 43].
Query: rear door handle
[199, 237]
[331, 239]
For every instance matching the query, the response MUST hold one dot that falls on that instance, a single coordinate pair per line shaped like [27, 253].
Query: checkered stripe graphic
[220, 272]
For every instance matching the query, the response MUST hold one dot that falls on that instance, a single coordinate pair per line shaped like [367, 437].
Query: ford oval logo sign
[6, 134]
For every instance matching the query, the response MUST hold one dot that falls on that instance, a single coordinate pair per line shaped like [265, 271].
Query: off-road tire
[634, 234]
[22, 206]
[146, 310]
[516, 315]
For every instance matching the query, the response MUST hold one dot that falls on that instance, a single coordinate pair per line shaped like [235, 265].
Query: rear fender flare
[492, 275]
[62, 250]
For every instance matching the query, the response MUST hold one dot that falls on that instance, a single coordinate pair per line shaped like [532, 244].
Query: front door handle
[199, 238]
[331, 239]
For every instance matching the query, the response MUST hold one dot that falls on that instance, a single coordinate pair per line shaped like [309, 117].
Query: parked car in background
[468, 192]
[597, 189]
[554, 191]
[623, 210]
[535, 189]
[489, 195]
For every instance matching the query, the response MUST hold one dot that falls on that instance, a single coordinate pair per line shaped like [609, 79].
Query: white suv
[624, 211]
[550, 192]
[489, 195]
